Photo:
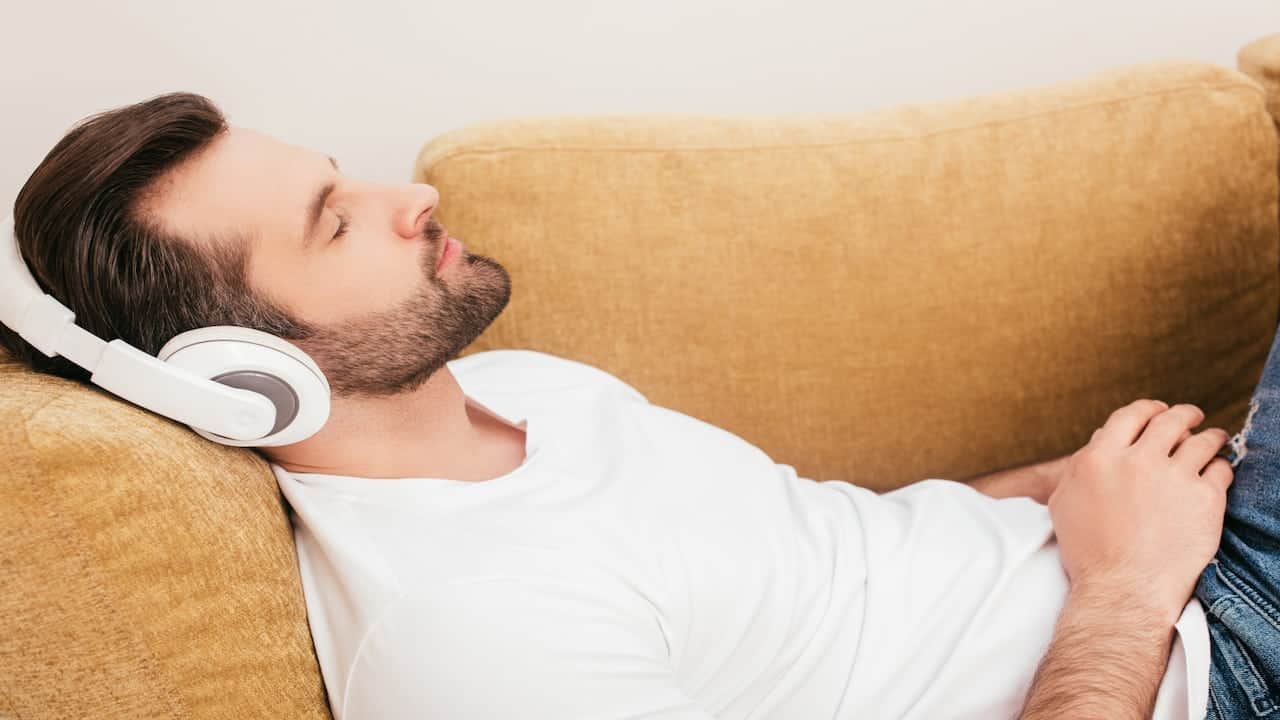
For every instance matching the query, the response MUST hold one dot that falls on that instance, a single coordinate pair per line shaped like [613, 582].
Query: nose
[415, 205]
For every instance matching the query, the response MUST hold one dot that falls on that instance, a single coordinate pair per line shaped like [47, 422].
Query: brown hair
[88, 240]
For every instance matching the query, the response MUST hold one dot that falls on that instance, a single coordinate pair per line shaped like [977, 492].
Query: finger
[1163, 430]
[1181, 439]
[1196, 451]
[1126, 423]
[1219, 472]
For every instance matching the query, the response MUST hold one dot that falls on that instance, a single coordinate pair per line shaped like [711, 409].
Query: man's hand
[1138, 514]
[1036, 481]
[1139, 509]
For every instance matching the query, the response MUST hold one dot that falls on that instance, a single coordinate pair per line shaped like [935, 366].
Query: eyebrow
[315, 207]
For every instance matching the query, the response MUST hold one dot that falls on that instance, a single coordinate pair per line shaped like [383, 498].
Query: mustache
[434, 231]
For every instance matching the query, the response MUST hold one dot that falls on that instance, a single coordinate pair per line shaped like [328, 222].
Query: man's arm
[1036, 480]
[1108, 655]
[1138, 515]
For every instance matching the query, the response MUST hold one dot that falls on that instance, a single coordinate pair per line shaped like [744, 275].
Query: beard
[395, 351]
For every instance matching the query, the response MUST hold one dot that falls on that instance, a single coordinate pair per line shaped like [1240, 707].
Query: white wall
[369, 81]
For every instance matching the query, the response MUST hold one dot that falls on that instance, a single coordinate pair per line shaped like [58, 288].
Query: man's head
[157, 218]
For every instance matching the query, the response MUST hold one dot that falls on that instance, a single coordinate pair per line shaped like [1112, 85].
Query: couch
[930, 290]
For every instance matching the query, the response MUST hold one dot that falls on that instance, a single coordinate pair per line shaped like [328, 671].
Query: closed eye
[342, 227]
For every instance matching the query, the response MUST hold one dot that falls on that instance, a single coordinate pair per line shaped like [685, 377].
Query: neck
[430, 432]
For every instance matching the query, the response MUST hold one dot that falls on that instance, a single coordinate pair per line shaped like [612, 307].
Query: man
[516, 534]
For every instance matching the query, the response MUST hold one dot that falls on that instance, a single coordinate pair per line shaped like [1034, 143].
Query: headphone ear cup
[259, 362]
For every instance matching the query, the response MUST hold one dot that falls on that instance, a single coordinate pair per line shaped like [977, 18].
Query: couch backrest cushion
[921, 291]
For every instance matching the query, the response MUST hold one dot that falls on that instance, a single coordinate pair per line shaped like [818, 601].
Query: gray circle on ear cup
[276, 390]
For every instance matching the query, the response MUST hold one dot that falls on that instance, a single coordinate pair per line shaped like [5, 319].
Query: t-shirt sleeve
[493, 649]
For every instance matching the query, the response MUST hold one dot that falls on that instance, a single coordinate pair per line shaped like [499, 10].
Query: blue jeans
[1240, 588]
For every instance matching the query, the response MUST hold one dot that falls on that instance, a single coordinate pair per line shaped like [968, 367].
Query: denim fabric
[1239, 588]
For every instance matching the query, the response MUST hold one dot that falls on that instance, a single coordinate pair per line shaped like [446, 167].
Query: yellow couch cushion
[146, 572]
[921, 291]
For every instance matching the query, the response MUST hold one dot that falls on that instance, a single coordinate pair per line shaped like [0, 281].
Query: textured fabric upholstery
[144, 571]
[933, 290]
[922, 291]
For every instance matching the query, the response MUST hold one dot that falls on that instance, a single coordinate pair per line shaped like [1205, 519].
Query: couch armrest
[1260, 60]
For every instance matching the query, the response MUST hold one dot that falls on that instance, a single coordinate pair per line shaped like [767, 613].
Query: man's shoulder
[513, 370]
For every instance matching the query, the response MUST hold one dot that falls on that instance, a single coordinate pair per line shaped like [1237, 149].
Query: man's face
[358, 263]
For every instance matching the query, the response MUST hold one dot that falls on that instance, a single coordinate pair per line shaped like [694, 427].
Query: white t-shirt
[644, 563]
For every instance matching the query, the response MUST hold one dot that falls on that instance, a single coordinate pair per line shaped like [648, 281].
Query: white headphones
[232, 385]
